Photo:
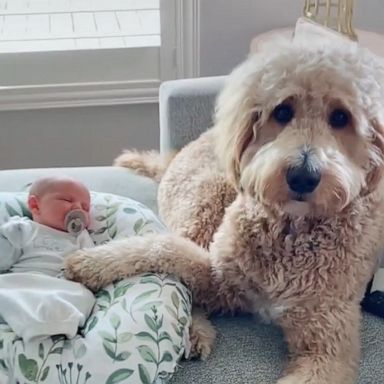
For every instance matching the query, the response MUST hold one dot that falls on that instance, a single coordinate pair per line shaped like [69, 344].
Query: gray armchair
[186, 110]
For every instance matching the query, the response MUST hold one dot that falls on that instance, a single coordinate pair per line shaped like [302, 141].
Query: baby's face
[53, 206]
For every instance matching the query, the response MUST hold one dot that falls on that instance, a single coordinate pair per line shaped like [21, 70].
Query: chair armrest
[186, 110]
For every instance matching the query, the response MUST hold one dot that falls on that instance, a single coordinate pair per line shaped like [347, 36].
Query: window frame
[71, 78]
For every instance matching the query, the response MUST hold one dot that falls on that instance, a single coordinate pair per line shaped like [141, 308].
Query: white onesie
[33, 300]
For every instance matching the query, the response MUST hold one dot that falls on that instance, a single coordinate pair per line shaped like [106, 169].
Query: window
[52, 25]
[93, 52]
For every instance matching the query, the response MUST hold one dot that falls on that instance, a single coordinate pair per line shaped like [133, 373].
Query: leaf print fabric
[138, 330]
[117, 344]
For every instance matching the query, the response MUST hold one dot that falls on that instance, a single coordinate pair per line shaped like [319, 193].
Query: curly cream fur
[303, 263]
[148, 163]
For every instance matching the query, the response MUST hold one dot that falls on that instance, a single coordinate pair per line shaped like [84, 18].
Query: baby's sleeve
[12, 237]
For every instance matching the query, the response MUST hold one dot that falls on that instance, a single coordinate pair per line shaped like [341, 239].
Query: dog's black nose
[303, 179]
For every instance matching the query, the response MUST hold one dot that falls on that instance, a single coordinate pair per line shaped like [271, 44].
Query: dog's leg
[165, 253]
[147, 163]
[324, 344]
[202, 335]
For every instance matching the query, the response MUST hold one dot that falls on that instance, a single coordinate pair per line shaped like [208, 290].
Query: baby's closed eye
[67, 199]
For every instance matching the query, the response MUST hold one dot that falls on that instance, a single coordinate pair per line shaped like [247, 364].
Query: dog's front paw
[83, 268]
[201, 345]
[202, 336]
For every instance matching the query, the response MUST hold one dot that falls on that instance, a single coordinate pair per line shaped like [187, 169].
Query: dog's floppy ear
[236, 123]
[239, 114]
[241, 141]
[377, 160]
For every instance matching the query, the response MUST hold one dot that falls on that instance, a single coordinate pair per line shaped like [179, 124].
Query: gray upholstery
[247, 351]
[250, 352]
[186, 110]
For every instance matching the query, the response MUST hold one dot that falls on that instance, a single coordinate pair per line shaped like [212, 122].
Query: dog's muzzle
[302, 179]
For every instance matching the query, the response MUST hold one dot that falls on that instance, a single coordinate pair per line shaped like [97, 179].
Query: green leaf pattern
[114, 347]
[137, 331]
[116, 217]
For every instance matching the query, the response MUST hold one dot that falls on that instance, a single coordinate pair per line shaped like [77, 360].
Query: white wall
[228, 26]
[75, 136]
[95, 135]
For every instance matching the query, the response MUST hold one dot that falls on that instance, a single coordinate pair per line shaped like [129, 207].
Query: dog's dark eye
[283, 113]
[339, 118]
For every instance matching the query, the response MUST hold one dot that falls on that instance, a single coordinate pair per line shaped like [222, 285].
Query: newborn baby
[34, 300]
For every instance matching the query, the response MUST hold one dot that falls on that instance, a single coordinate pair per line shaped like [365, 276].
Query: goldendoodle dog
[283, 199]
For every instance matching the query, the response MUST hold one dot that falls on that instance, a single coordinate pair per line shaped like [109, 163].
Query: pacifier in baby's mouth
[75, 221]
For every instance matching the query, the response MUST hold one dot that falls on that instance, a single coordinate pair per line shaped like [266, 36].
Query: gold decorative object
[334, 14]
